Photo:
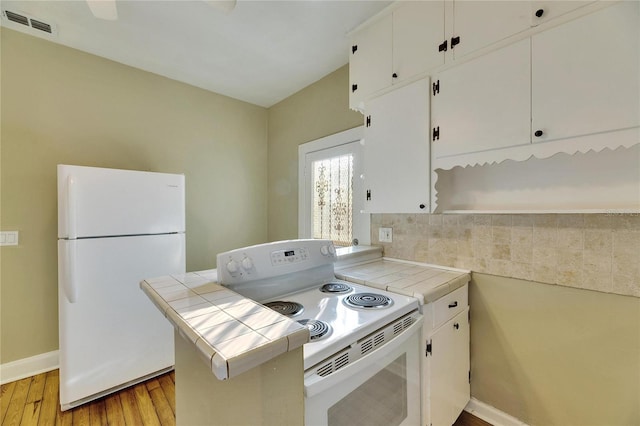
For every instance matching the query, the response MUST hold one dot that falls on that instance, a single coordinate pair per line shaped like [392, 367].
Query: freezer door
[111, 333]
[105, 202]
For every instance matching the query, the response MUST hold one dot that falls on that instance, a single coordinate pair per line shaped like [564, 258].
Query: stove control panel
[264, 261]
[287, 256]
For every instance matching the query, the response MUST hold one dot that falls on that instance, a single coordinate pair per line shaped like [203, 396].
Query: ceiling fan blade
[103, 9]
[225, 5]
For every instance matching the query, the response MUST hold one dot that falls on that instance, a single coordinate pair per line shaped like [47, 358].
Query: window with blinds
[333, 199]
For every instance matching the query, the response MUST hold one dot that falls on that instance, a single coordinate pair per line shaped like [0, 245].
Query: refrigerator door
[97, 202]
[111, 335]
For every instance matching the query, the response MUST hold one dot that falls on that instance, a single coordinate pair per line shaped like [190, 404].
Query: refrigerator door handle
[68, 271]
[71, 208]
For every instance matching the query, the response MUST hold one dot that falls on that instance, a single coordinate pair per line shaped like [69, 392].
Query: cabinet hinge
[442, 47]
[354, 48]
[368, 195]
[368, 121]
[455, 41]
[354, 87]
[436, 87]
[428, 351]
[469, 376]
[436, 133]
[469, 315]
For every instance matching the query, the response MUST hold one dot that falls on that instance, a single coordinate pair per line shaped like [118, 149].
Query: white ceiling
[261, 52]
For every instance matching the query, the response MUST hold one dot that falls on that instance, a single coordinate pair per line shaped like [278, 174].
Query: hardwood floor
[34, 401]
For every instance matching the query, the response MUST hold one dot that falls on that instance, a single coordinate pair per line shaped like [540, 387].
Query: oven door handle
[316, 384]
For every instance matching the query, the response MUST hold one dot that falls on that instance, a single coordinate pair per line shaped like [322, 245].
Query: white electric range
[358, 334]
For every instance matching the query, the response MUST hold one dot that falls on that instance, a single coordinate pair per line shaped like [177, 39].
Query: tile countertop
[232, 334]
[425, 282]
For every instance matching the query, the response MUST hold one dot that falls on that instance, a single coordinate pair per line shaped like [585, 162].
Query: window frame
[309, 150]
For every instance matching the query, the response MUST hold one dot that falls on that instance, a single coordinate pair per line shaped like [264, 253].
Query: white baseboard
[491, 414]
[26, 367]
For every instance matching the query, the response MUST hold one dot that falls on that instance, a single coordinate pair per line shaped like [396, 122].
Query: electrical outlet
[385, 235]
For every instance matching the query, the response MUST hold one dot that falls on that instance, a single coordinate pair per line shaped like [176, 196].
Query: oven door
[380, 389]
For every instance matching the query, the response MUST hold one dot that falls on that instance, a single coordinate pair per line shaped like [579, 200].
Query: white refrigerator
[115, 228]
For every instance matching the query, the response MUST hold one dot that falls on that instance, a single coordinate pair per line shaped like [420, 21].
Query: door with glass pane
[332, 180]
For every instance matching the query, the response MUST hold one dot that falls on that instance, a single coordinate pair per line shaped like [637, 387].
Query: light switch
[9, 238]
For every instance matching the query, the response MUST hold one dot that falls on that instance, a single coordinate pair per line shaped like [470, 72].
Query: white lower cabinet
[446, 370]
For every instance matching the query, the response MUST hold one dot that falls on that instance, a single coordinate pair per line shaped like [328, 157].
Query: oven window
[380, 401]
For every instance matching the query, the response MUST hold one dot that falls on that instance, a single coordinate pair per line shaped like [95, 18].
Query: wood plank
[64, 418]
[169, 389]
[33, 403]
[130, 407]
[162, 407]
[115, 416]
[152, 384]
[98, 413]
[17, 403]
[81, 416]
[50, 401]
[145, 404]
[6, 392]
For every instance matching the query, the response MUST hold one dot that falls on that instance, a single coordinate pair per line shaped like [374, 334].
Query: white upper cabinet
[478, 24]
[370, 65]
[585, 75]
[483, 104]
[394, 48]
[544, 10]
[396, 151]
[418, 28]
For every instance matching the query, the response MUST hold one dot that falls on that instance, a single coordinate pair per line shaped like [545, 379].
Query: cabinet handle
[422, 206]
[453, 304]
[354, 87]
[538, 133]
[443, 46]
[456, 326]
[455, 41]
[539, 13]
[354, 48]
[394, 75]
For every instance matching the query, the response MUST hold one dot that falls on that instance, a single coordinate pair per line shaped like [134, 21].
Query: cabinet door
[483, 104]
[396, 151]
[585, 74]
[370, 61]
[448, 371]
[418, 29]
[481, 23]
[544, 10]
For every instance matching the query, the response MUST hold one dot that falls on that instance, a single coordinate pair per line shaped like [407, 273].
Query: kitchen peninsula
[256, 354]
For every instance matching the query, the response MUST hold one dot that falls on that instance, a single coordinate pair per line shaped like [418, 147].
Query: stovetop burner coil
[285, 307]
[335, 287]
[368, 301]
[317, 329]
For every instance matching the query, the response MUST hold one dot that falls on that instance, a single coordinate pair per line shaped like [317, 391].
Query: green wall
[63, 106]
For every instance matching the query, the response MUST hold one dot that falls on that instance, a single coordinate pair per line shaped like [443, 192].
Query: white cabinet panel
[370, 61]
[483, 104]
[544, 10]
[447, 383]
[481, 23]
[418, 28]
[585, 74]
[396, 151]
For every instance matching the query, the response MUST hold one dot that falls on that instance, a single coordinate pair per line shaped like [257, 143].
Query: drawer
[450, 305]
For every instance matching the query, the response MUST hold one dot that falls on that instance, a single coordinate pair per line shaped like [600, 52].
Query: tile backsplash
[592, 251]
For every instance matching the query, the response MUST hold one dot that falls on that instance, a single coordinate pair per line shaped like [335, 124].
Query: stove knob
[232, 267]
[247, 263]
[332, 250]
[324, 250]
